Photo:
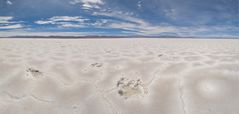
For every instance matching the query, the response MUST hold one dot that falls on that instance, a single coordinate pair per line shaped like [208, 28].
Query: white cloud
[87, 1]
[139, 4]
[128, 22]
[141, 27]
[59, 19]
[88, 4]
[153, 30]
[14, 26]
[70, 25]
[127, 16]
[64, 21]
[5, 19]
[42, 22]
[132, 23]
[9, 2]
[6, 22]
[66, 18]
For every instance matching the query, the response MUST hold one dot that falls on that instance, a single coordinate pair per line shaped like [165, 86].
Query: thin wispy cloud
[15, 26]
[56, 19]
[5, 19]
[87, 4]
[9, 2]
[7, 22]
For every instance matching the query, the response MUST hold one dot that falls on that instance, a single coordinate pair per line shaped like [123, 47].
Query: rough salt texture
[119, 76]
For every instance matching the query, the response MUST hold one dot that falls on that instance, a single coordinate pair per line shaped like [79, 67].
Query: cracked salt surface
[160, 76]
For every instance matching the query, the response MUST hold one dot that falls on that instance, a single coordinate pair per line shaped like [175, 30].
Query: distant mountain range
[98, 36]
[92, 36]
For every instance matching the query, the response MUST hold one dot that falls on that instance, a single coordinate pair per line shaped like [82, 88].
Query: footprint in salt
[97, 65]
[160, 55]
[131, 88]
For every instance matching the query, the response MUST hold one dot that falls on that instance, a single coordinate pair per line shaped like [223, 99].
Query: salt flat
[119, 76]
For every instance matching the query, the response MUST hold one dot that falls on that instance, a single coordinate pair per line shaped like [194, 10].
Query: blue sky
[207, 18]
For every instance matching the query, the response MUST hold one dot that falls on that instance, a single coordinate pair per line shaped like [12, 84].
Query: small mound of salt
[130, 88]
